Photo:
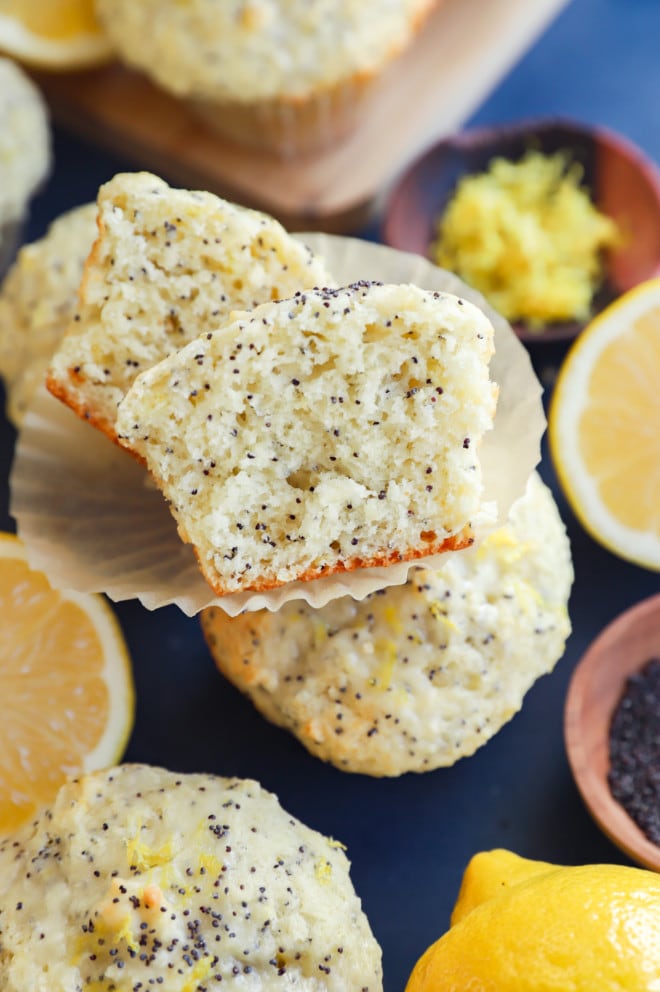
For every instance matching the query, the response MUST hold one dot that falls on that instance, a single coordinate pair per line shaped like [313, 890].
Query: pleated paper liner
[93, 521]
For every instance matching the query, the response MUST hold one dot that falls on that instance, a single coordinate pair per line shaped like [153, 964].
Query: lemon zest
[387, 650]
[201, 970]
[438, 613]
[393, 618]
[142, 858]
[320, 633]
[323, 870]
[528, 236]
[211, 864]
[527, 596]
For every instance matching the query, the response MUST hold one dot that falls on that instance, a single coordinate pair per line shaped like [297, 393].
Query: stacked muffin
[418, 675]
[24, 152]
[166, 263]
[335, 431]
[296, 432]
[184, 882]
[289, 76]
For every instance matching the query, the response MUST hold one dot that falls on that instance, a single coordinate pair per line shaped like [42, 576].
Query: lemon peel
[526, 926]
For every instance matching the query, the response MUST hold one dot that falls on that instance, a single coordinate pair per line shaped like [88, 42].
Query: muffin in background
[415, 676]
[141, 878]
[286, 76]
[25, 154]
[37, 302]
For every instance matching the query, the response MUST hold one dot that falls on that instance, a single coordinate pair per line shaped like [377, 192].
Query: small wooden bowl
[623, 183]
[596, 686]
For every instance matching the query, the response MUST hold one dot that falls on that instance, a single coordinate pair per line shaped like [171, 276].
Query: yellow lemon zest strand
[393, 619]
[142, 858]
[527, 596]
[323, 870]
[201, 970]
[438, 612]
[320, 633]
[211, 864]
[387, 650]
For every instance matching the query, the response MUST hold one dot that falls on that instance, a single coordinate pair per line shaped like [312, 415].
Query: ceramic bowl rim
[484, 134]
[610, 816]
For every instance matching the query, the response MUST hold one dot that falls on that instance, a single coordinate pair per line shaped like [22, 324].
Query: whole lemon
[528, 926]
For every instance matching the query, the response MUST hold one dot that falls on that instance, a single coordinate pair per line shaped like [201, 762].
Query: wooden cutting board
[465, 48]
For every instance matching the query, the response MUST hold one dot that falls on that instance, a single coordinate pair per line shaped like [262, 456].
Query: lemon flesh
[604, 427]
[58, 34]
[66, 687]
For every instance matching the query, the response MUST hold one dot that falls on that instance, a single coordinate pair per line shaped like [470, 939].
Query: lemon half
[53, 34]
[604, 426]
[66, 686]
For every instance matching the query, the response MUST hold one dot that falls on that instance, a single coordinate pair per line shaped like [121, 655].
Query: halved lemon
[53, 34]
[604, 426]
[66, 686]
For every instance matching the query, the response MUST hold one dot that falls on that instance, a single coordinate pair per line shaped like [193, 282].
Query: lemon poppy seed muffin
[416, 676]
[37, 302]
[334, 431]
[139, 878]
[167, 265]
[25, 154]
[290, 76]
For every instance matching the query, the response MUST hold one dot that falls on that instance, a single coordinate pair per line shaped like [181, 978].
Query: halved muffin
[336, 430]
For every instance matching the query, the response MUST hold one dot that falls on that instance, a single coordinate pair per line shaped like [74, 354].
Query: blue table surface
[409, 839]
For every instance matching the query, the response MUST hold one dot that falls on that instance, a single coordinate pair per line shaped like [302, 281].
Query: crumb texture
[415, 676]
[335, 430]
[167, 265]
[138, 878]
[37, 302]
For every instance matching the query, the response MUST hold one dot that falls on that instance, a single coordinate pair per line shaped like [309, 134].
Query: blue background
[410, 839]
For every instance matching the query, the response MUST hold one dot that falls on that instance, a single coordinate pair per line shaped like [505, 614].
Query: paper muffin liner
[92, 520]
[291, 128]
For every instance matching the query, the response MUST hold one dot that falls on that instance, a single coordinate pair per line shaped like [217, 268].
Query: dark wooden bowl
[623, 183]
[596, 686]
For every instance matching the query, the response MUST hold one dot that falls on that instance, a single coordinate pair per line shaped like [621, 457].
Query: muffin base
[291, 127]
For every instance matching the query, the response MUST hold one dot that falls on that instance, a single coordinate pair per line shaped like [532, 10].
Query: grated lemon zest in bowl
[528, 236]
